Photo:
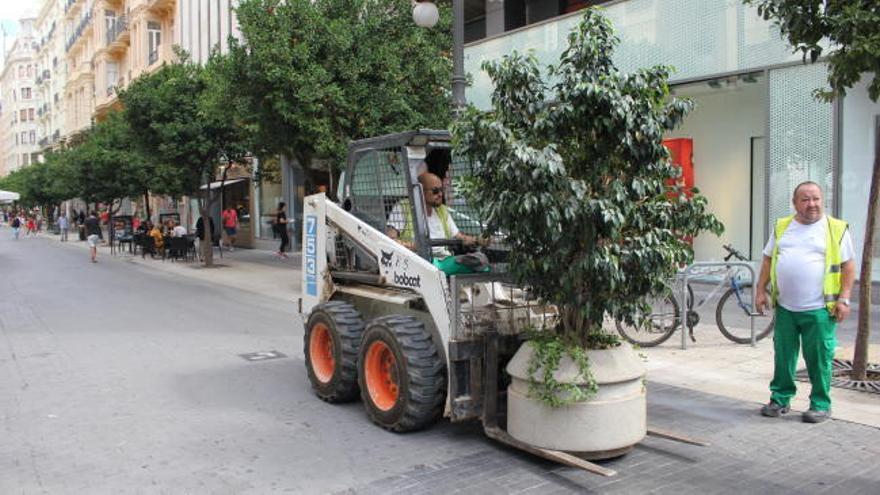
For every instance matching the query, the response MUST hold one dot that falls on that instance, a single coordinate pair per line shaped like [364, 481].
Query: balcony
[78, 32]
[160, 6]
[118, 34]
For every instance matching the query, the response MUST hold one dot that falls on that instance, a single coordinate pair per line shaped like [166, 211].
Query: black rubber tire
[631, 335]
[420, 369]
[729, 296]
[346, 330]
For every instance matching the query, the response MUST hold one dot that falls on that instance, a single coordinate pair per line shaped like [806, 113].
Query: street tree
[316, 74]
[185, 134]
[845, 34]
[105, 166]
[583, 189]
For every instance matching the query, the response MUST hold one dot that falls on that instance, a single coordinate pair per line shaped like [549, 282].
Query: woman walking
[281, 230]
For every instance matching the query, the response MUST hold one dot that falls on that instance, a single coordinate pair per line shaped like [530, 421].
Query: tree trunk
[860, 353]
[207, 242]
[147, 204]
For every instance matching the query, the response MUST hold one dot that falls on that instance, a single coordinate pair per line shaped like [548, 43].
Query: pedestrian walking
[93, 235]
[280, 227]
[31, 225]
[63, 226]
[809, 264]
[16, 226]
[230, 226]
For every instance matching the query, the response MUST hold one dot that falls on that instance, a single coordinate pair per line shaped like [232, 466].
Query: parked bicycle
[732, 315]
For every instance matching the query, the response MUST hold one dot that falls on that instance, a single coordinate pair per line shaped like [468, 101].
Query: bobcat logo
[386, 259]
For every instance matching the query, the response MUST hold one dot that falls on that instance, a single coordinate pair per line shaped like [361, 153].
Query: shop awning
[216, 184]
[9, 196]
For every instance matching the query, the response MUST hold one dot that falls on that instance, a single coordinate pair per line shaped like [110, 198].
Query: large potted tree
[575, 175]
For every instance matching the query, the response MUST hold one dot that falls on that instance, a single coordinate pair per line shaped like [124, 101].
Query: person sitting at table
[178, 230]
[156, 234]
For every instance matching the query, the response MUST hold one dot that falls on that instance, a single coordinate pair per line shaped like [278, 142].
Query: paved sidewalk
[712, 364]
[253, 270]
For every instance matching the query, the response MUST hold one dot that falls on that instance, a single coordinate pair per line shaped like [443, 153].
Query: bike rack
[683, 293]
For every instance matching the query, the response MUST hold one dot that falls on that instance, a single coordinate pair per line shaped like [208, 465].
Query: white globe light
[425, 14]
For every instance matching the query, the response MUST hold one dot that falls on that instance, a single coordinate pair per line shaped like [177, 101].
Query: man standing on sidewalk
[93, 235]
[809, 264]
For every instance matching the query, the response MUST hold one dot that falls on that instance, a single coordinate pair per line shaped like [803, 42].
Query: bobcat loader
[385, 325]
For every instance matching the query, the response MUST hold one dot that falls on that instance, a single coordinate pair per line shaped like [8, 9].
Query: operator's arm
[394, 234]
[847, 277]
[761, 289]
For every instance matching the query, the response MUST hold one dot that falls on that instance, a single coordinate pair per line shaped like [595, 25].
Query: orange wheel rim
[380, 370]
[321, 352]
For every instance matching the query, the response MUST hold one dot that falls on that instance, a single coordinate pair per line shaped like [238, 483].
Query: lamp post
[425, 14]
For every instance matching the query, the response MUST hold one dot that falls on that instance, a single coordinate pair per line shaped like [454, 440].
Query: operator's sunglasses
[436, 190]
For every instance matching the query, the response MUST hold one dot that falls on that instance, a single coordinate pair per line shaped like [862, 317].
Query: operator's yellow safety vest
[408, 234]
[833, 238]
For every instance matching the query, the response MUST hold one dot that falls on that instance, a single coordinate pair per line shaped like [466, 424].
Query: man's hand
[761, 301]
[840, 311]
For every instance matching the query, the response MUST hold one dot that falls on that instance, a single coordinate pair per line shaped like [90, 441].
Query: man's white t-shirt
[800, 268]
[435, 228]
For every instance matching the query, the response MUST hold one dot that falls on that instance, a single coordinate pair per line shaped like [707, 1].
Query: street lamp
[425, 15]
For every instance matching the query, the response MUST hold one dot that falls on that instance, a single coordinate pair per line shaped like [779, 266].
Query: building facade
[756, 131]
[19, 124]
[51, 73]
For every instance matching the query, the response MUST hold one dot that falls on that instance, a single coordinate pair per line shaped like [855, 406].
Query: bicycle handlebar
[732, 252]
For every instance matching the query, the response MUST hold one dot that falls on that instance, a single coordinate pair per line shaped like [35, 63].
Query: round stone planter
[607, 425]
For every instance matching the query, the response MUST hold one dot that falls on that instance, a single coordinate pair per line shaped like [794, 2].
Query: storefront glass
[269, 195]
[860, 123]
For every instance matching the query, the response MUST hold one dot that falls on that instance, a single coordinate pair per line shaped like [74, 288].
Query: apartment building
[756, 131]
[110, 43]
[51, 73]
[19, 125]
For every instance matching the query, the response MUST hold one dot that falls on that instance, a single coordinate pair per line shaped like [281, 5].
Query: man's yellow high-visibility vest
[833, 238]
[408, 234]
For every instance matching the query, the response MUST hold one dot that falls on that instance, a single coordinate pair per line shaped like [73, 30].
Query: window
[23, 137]
[25, 159]
[22, 115]
[154, 39]
[30, 114]
[30, 71]
[32, 137]
[16, 139]
[112, 77]
[25, 93]
[20, 71]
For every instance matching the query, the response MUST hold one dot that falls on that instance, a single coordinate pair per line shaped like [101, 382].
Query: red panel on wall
[682, 151]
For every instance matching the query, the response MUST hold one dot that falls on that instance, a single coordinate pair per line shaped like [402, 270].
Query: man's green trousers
[815, 330]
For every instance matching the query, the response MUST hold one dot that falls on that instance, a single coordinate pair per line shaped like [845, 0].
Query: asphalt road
[115, 379]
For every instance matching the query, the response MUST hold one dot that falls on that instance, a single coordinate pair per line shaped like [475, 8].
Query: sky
[11, 11]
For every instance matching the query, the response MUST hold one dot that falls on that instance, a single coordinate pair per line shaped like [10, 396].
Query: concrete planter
[607, 425]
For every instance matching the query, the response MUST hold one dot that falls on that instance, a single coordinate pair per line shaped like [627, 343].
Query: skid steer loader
[384, 324]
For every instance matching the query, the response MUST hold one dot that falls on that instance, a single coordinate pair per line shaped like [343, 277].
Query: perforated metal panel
[697, 37]
[801, 130]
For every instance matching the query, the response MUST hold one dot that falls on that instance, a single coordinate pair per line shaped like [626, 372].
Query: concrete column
[494, 17]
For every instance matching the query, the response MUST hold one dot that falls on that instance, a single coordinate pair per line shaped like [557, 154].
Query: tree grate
[840, 377]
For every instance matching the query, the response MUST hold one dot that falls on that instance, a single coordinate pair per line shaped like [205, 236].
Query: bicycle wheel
[732, 316]
[659, 326]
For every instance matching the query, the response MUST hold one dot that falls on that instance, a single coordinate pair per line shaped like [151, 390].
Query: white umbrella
[8, 196]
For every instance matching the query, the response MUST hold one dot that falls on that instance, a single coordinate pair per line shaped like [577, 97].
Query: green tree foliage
[581, 185]
[177, 114]
[849, 28]
[105, 167]
[316, 74]
[41, 184]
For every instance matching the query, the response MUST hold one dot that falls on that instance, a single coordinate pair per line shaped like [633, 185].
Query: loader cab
[383, 172]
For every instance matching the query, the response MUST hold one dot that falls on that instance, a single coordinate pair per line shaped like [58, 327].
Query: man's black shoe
[813, 416]
[773, 410]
